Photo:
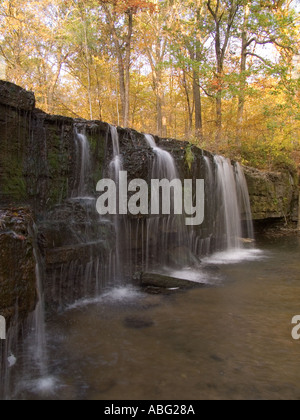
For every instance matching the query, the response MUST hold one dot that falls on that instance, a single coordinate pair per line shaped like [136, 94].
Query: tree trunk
[87, 57]
[219, 103]
[122, 86]
[127, 69]
[219, 114]
[155, 61]
[158, 83]
[189, 106]
[54, 82]
[159, 102]
[123, 62]
[196, 86]
[159, 116]
[241, 104]
[220, 61]
[198, 106]
[222, 38]
[243, 79]
[195, 56]
[98, 93]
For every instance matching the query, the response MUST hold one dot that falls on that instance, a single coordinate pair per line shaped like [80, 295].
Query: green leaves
[240, 54]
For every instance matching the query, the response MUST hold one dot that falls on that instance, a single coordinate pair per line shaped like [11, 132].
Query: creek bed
[231, 341]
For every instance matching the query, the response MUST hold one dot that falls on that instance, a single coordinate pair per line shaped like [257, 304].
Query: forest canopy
[223, 74]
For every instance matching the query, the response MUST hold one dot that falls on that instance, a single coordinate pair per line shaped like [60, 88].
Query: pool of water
[231, 340]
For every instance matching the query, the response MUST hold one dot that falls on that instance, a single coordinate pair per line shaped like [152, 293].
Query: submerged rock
[138, 323]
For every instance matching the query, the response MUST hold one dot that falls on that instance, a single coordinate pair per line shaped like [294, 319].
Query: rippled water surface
[231, 340]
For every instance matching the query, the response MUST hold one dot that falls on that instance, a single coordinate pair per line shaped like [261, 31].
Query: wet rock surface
[77, 245]
[39, 168]
[273, 195]
[17, 265]
[38, 160]
[16, 97]
[164, 282]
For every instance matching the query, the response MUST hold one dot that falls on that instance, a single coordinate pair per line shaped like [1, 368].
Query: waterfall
[233, 205]
[25, 349]
[83, 169]
[164, 166]
[95, 252]
[203, 242]
[227, 208]
[115, 166]
[244, 202]
[229, 225]
[38, 347]
[164, 241]
[167, 240]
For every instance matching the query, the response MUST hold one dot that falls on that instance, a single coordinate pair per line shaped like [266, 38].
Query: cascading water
[115, 167]
[88, 267]
[39, 345]
[153, 243]
[164, 166]
[227, 207]
[167, 236]
[164, 241]
[26, 345]
[203, 243]
[229, 227]
[83, 169]
[116, 164]
[244, 201]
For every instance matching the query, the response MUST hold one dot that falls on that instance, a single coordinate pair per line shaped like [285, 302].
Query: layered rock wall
[273, 195]
[38, 168]
[18, 293]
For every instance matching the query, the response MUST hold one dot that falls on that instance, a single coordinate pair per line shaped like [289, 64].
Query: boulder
[161, 281]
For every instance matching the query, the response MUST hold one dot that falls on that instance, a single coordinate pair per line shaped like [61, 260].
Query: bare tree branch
[269, 41]
[266, 62]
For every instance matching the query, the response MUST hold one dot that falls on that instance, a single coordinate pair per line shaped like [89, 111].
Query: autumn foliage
[222, 74]
[133, 6]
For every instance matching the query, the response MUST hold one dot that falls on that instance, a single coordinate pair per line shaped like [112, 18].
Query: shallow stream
[231, 340]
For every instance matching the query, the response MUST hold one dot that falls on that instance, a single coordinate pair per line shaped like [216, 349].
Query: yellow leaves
[63, 50]
[133, 6]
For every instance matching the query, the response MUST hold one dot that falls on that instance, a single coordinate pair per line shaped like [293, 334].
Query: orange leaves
[217, 84]
[131, 6]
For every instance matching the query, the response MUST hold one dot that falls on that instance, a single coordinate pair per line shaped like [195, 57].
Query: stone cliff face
[38, 159]
[18, 291]
[274, 196]
[37, 153]
[38, 168]
[17, 265]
